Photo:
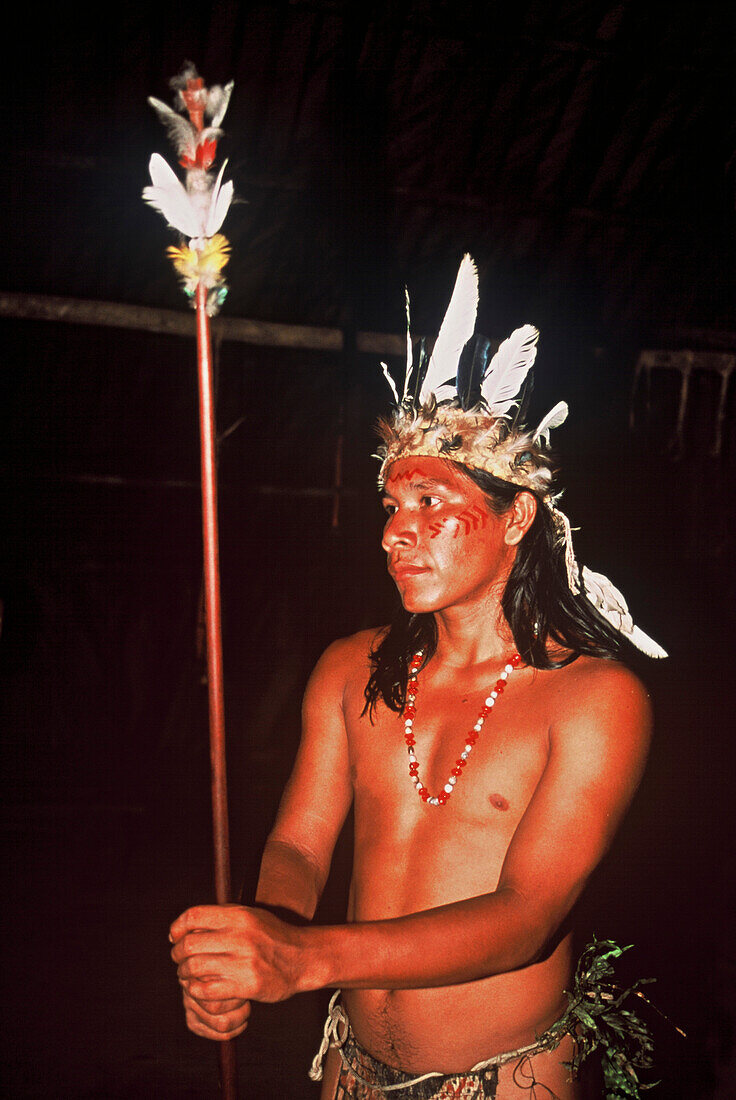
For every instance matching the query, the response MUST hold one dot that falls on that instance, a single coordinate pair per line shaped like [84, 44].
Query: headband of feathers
[467, 406]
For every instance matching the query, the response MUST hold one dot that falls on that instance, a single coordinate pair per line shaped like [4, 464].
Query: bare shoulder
[344, 663]
[593, 685]
[600, 709]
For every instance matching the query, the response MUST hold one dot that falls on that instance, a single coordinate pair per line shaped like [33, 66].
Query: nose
[400, 531]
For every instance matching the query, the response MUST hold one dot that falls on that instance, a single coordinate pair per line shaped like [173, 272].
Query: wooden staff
[213, 621]
[197, 212]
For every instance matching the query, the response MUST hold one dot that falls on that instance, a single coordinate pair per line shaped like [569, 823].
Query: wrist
[284, 913]
[315, 950]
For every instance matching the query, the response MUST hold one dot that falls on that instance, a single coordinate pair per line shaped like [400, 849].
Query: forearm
[289, 879]
[448, 945]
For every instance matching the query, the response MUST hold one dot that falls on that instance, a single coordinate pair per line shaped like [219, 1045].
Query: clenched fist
[227, 956]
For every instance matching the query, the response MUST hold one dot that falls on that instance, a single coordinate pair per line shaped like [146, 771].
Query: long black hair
[537, 603]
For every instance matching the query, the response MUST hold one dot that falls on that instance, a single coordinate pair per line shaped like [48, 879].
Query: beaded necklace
[409, 713]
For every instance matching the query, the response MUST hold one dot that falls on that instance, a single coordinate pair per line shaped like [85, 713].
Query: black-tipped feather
[420, 371]
[522, 408]
[478, 352]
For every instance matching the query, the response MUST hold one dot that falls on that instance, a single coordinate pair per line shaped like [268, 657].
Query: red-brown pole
[220, 827]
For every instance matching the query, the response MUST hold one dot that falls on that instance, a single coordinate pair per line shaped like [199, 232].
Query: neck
[473, 633]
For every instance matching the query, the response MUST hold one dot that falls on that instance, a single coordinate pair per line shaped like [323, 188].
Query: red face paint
[409, 473]
[472, 519]
[444, 544]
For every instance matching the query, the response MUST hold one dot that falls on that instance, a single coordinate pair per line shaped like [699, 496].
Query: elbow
[291, 878]
[537, 931]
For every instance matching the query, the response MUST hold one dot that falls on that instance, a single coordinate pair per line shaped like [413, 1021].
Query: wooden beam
[78, 311]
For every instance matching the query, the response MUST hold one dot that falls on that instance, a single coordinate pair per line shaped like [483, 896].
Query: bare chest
[435, 854]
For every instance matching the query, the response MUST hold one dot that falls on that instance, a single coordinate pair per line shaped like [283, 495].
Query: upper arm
[318, 794]
[598, 748]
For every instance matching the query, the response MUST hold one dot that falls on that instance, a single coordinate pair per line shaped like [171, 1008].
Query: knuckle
[195, 1025]
[193, 964]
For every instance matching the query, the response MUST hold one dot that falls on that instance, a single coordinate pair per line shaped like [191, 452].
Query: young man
[488, 751]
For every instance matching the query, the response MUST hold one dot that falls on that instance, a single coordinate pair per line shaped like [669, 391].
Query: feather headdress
[467, 407]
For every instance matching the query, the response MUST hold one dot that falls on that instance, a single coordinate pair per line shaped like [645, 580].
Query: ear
[520, 517]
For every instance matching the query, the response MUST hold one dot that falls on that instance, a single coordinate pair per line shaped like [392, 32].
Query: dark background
[583, 152]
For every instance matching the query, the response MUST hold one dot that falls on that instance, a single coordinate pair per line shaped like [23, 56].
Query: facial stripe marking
[407, 475]
[471, 519]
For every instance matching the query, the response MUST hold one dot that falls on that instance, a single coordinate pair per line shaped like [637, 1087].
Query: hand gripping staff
[197, 209]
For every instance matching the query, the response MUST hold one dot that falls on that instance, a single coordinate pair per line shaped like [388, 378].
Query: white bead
[504, 675]
[478, 727]
[412, 757]
[509, 668]
[494, 696]
[468, 748]
[463, 756]
[452, 780]
[447, 788]
[490, 701]
[434, 801]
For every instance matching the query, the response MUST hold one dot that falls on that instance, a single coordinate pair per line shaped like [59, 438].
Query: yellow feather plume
[203, 266]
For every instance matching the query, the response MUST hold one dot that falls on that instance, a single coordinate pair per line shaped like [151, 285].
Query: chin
[418, 605]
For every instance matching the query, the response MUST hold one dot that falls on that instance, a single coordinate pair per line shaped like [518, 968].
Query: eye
[430, 501]
[388, 507]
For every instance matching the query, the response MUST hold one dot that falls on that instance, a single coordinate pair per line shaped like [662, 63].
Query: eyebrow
[424, 484]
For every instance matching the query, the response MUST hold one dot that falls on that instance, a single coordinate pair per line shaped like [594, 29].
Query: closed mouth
[402, 569]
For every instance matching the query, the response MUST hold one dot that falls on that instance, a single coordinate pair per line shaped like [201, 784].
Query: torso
[410, 856]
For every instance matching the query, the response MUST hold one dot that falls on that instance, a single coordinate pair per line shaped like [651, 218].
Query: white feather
[170, 198]
[456, 329]
[553, 419]
[222, 196]
[198, 214]
[508, 369]
[218, 101]
[183, 135]
[646, 644]
[391, 382]
[409, 349]
[609, 603]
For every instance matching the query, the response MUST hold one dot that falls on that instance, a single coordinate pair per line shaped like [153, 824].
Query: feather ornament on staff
[198, 207]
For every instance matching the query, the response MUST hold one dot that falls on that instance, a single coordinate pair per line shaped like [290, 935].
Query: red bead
[409, 713]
